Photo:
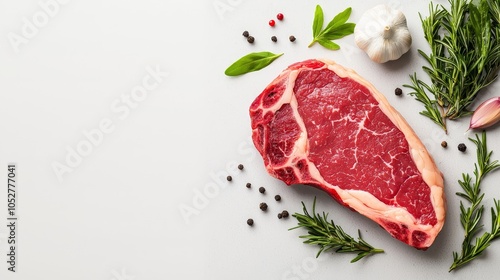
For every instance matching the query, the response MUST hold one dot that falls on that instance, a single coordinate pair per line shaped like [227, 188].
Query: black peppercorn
[263, 206]
[280, 215]
[240, 166]
[248, 185]
[250, 39]
[229, 178]
[277, 197]
[462, 147]
[285, 214]
[262, 190]
[250, 222]
[444, 144]
[292, 38]
[398, 91]
[274, 39]
[246, 34]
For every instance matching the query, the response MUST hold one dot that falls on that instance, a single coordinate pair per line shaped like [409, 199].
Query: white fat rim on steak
[362, 201]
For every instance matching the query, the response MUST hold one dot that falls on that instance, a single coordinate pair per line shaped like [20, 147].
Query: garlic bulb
[383, 34]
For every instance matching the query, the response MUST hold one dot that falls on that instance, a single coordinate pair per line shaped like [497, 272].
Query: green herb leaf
[251, 62]
[335, 29]
[318, 21]
[464, 57]
[330, 236]
[470, 217]
[339, 19]
[340, 31]
[329, 45]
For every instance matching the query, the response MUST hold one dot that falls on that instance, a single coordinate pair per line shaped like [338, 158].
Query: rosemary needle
[464, 57]
[470, 217]
[330, 236]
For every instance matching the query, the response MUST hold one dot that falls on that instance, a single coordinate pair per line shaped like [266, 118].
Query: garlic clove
[486, 114]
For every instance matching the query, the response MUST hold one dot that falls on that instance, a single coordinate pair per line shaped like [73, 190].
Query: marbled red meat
[320, 124]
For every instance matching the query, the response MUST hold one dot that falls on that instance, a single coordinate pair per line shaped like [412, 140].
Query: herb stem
[470, 217]
[464, 57]
[337, 28]
[330, 236]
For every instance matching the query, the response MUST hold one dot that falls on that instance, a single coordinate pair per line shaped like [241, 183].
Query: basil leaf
[336, 28]
[251, 62]
[339, 19]
[318, 21]
[340, 31]
[329, 44]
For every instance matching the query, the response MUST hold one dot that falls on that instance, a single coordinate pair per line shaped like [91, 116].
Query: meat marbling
[323, 125]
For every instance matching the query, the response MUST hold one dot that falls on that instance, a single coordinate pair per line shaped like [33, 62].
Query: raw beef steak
[320, 124]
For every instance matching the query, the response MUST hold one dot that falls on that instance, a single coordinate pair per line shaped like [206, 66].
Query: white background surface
[116, 214]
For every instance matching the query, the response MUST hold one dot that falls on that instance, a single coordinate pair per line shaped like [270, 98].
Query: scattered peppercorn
[444, 144]
[250, 222]
[240, 166]
[280, 16]
[285, 214]
[229, 178]
[262, 190]
[250, 39]
[277, 197]
[292, 38]
[280, 215]
[248, 185]
[398, 91]
[274, 39]
[272, 23]
[462, 147]
[245, 34]
[263, 206]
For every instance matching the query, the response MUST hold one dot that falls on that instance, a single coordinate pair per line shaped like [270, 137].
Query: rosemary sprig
[470, 217]
[330, 236]
[464, 57]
